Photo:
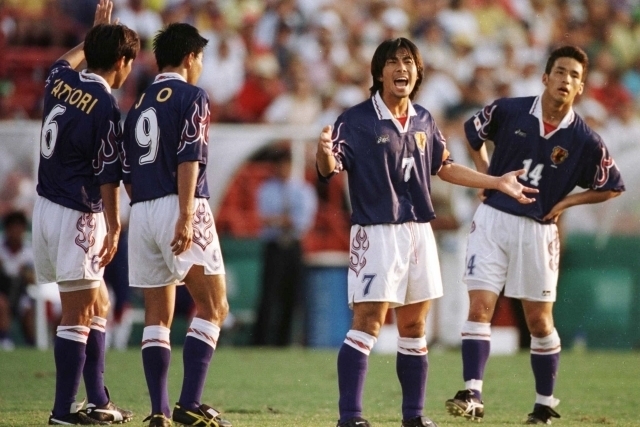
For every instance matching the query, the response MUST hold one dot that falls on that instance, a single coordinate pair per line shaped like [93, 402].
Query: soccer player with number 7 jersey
[76, 223]
[390, 149]
[172, 237]
[515, 247]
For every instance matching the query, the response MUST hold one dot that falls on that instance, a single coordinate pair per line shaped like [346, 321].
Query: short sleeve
[106, 156]
[194, 138]
[482, 125]
[602, 173]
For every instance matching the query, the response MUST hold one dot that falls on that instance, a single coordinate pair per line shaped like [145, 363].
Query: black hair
[568, 52]
[173, 43]
[386, 50]
[105, 44]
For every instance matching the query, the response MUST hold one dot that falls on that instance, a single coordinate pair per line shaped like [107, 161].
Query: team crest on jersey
[421, 140]
[559, 155]
[383, 139]
[359, 246]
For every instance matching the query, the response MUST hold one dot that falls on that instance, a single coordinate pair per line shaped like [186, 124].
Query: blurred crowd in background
[305, 61]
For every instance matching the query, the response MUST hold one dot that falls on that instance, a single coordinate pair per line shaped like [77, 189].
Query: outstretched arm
[583, 198]
[507, 183]
[103, 16]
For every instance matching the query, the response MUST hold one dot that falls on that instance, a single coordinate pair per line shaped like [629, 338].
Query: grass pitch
[298, 387]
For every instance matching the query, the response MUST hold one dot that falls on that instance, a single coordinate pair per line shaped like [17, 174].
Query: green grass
[296, 387]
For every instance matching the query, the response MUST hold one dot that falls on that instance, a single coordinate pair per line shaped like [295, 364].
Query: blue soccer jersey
[389, 165]
[168, 125]
[571, 155]
[79, 139]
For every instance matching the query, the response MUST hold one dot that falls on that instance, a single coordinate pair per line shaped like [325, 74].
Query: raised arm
[102, 16]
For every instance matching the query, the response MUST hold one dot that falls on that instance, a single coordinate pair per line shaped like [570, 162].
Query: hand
[103, 13]
[109, 248]
[325, 144]
[510, 186]
[554, 213]
[183, 235]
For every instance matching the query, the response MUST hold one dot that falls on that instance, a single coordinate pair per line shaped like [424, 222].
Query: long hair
[568, 52]
[106, 43]
[172, 44]
[388, 49]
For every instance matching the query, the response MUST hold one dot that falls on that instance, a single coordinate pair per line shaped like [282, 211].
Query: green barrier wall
[599, 292]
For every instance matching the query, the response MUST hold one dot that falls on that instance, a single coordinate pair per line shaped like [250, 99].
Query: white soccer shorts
[512, 252]
[66, 243]
[395, 263]
[151, 230]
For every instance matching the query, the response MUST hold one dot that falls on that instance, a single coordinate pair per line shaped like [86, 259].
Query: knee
[102, 307]
[480, 311]
[540, 326]
[222, 310]
[412, 329]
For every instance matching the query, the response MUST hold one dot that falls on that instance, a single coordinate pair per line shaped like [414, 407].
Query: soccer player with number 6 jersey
[390, 148]
[76, 223]
[516, 248]
[172, 237]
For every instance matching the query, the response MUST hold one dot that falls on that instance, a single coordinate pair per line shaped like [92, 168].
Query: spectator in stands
[144, 21]
[298, 105]
[260, 88]
[16, 272]
[287, 206]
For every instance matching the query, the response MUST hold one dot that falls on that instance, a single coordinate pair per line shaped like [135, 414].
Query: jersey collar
[536, 110]
[86, 76]
[384, 114]
[168, 76]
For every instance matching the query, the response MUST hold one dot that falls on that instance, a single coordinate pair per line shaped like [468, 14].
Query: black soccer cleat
[466, 404]
[542, 414]
[419, 422]
[157, 420]
[204, 416]
[109, 412]
[74, 419]
[354, 422]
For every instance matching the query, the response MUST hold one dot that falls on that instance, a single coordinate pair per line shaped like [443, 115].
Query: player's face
[195, 70]
[399, 74]
[122, 73]
[564, 82]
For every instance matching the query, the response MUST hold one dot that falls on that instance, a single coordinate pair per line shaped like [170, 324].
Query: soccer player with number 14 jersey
[516, 248]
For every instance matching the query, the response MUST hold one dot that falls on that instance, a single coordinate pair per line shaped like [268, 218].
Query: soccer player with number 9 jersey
[172, 238]
[514, 247]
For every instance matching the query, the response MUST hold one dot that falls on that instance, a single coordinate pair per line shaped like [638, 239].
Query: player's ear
[189, 60]
[581, 88]
[120, 63]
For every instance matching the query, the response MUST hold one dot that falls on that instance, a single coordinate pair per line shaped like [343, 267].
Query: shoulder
[516, 104]
[585, 132]
[423, 114]
[358, 111]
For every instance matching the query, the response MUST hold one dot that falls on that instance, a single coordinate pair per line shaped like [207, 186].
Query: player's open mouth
[563, 90]
[401, 82]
